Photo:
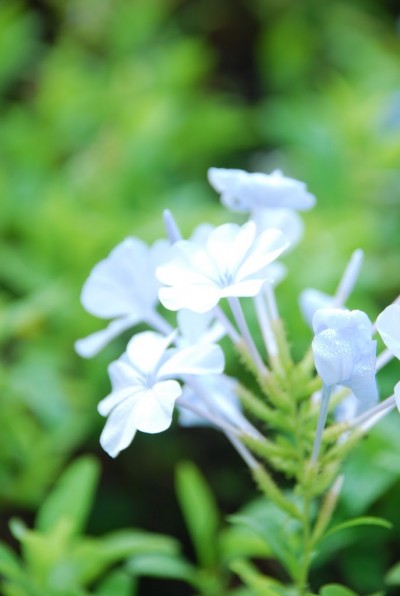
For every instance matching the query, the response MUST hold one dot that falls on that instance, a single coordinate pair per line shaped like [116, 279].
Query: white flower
[197, 328]
[144, 386]
[286, 220]
[344, 351]
[243, 191]
[121, 287]
[222, 402]
[388, 325]
[232, 262]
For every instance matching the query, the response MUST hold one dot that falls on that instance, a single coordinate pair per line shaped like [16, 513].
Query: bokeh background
[112, 110]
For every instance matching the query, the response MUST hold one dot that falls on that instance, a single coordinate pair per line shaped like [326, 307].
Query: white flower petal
[397, 395]
[153, 410]
[92, 344]
[286, 220]
[186, 261]
[388, 325]
[344, 351]
[146, 349]
[267, 247]
[122, 284]
[200, 359]
[119, 429]
[199, 298]
[244, 191]
[333, 357]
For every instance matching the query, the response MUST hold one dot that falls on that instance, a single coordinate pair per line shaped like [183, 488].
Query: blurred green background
[112, 110]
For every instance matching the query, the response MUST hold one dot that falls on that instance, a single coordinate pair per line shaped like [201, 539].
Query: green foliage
[57, 558]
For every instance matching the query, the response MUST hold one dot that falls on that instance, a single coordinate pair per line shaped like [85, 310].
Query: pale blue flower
[233, 261]
[144, 386]
[388, 326]
[247, 192]
[344, 351]
[121, 287]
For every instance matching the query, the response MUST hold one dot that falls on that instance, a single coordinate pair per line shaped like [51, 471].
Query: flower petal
[119, 429]
[145, 350]
[388, 325]
[196, 297]
[91, 345]
[154, 408]
[196, 360]
[121, 284]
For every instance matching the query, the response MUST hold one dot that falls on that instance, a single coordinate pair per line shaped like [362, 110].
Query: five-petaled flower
[121, 287]
[144, 386]
[232, 261]
[344, 351]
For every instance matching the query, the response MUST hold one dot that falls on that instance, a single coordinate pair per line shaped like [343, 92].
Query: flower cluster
[204, 279]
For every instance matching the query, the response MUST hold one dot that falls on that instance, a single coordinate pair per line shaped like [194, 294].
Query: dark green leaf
[199, 510]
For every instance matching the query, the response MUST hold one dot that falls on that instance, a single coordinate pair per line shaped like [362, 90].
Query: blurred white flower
[222, 402]
[121, 287]
[232, 262]
[344, 351]
[388, 326]
[144, 386]
[244, 191]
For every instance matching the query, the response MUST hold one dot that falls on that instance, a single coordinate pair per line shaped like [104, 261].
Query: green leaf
[10, 565]
[261, 585]
[71, 498]
[392, 577]
[336, 590]
[161, 565]
[199, 511]
[360, 521]
[92, 556]
[279, 532]
[117, 582]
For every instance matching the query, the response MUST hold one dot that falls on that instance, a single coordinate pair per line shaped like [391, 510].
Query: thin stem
[384, 406]
[171, 227]
[265, 327]
[225, 322]
[244, 330]
[349, 278]
[384, 358]
[323, 414]
[243, 424]
[242, 450]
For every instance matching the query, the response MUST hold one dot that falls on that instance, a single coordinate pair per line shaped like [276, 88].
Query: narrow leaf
[199, 511]
[360, 521]
[72, 497]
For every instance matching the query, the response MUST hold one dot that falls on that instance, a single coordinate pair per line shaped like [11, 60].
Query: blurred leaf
[71, 498]
[163, 566]
[199, 511]
[360, 521]
[275, 528]
[336, 590]
[117, 582]
[392, 577]
[90, 557]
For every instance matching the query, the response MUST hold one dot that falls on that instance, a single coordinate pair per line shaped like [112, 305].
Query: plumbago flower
[122, 287]
[388, 326]
[272, 200]
[233, 261]
[144, 386]
[344, 351]
[344, 354]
